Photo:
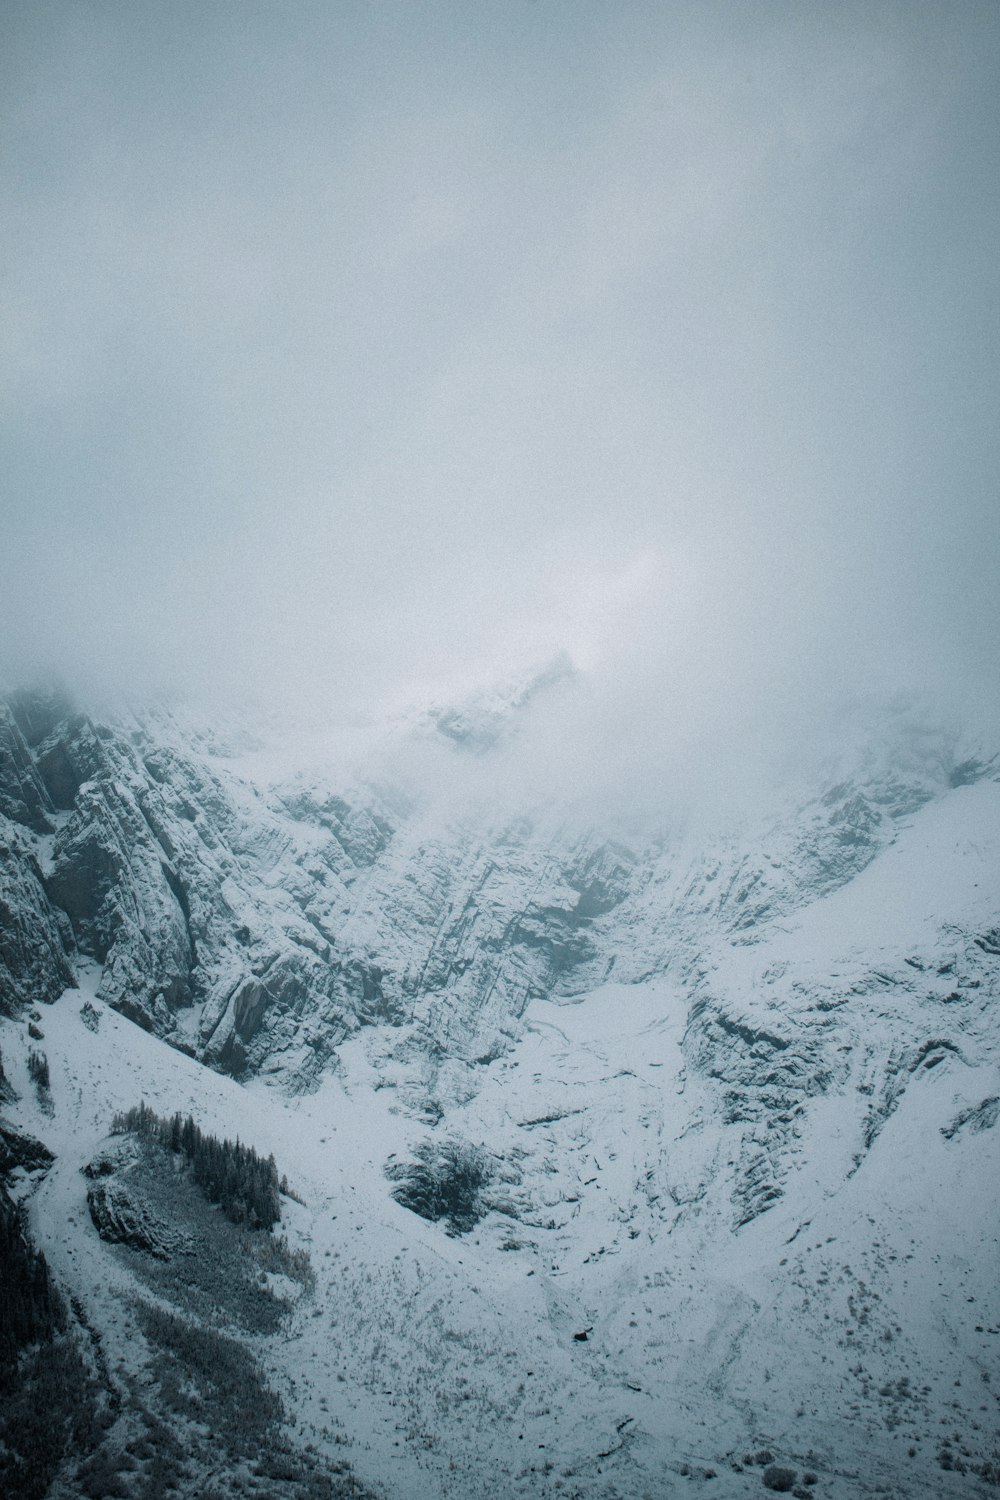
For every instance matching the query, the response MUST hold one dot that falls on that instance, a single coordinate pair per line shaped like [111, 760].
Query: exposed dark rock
[981, 1116]
[967, 772]
[36, 711]
[445, 1182]
[20, 1150]
[33, 961]
[23, 797]
[110, 878]
[122, 1218]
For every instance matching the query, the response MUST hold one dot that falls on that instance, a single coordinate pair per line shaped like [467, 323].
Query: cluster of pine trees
[31, 1309]
[244, 1184]
[38, 1068]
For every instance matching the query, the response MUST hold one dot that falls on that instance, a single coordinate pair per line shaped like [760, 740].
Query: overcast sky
[359, 351]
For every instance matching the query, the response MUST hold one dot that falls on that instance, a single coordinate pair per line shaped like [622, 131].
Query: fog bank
[360, 356]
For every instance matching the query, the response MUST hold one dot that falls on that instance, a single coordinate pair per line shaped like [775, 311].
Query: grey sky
[364, 350]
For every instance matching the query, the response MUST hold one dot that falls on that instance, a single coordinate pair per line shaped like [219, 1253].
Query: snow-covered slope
[733, 1100]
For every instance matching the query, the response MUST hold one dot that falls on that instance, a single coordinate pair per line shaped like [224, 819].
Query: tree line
[244, 1184]
[31, 1308]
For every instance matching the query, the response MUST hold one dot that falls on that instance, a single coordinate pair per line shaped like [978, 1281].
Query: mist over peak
[362, 365]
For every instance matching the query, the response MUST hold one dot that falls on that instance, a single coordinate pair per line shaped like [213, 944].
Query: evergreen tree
[229, 1173]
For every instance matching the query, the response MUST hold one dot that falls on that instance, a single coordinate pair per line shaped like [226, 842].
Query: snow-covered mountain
[706, 1117]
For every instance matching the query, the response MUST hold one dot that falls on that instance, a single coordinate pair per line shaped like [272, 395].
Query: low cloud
[365, 358]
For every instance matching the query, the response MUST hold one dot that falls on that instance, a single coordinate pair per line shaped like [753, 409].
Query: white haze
[360, 355]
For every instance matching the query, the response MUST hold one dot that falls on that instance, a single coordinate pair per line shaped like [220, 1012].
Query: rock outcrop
[18, 1150]
[122, 1218]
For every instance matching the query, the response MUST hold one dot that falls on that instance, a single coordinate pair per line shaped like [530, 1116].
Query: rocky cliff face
[258, 926]
[122, 847]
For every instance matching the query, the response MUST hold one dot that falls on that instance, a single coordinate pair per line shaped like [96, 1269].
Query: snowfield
[876, 1265]
[766, 1193]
